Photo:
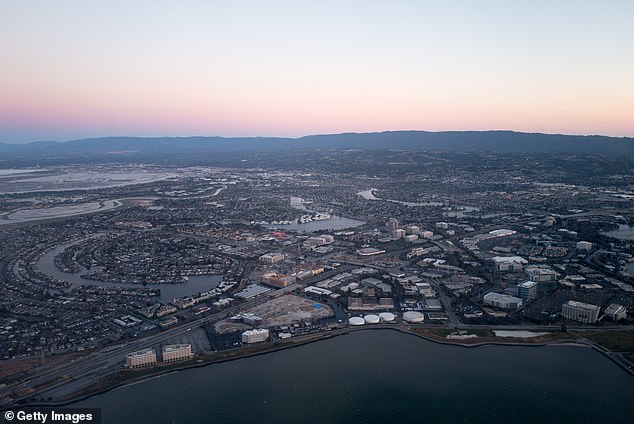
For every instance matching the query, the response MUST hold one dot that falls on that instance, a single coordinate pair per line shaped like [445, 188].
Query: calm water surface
[383, 376]
[195, 284]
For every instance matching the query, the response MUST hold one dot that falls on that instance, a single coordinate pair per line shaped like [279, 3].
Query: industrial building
[358, 304]
[140, 358]
[502, 301]
[527, 290]
[251, 291]
[369, 252]
[177, 352]
[582, 312]
[255, 336]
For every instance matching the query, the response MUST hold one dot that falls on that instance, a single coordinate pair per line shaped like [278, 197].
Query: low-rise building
[585, 246]
[255, 336]
[579, 311]
[272, 258]
[616, 312]
[251, 291]
[509, 263]
[277, 280]
[540, 274]
[502, 301]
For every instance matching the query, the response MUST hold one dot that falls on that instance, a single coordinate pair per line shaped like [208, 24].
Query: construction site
[284, 310]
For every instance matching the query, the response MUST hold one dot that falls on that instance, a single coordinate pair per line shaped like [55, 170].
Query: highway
[111, 359]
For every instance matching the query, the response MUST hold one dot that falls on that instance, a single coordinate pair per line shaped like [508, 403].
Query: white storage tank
[413, 316]
[372, 319]
[356, 321]
[387, 316]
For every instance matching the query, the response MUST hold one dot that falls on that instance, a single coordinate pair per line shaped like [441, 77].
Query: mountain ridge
[502, 141]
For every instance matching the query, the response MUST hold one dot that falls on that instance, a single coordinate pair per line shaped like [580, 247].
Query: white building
[509, 263]
[540, 274]
[616, 312]
[177, 352]
[585, 246]
[502, 301]
[140, 358]
[251, 291]
[272, 258]
[582, 312]
[256, 335]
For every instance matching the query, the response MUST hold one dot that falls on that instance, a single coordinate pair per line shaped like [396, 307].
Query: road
[111, 359]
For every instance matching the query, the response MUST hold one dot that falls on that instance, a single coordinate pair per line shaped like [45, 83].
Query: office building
[527, 290]
[272, 258]
[177, 352]
[255, 336]
[509, 263]
[582, 312]
[140, 358]
[616, 312]
[393, 224]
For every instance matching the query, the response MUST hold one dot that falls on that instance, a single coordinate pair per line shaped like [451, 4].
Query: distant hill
[465, 141]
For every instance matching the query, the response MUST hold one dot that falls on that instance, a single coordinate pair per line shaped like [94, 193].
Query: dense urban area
[112, 270]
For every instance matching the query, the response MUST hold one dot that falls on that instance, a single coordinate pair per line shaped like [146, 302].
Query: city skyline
[81, 69]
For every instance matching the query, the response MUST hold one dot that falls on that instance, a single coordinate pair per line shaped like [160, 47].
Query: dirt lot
[282, 311]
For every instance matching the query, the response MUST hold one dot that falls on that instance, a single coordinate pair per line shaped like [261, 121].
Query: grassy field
[615, 340]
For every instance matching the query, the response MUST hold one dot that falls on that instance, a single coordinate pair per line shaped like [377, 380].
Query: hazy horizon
[77, 69]
[299, 136]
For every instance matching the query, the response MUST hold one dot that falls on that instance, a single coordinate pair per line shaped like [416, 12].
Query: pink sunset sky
[76, 69]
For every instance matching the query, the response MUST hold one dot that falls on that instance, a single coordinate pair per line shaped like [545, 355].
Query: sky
[73, 69]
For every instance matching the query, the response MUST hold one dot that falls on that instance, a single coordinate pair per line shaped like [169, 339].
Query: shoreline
[571, 342]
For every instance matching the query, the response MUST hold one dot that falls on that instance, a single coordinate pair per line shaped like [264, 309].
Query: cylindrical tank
[356, 321]
[413, 316]
[372, 319]
[387, 316]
